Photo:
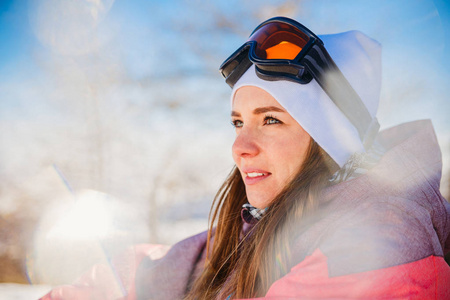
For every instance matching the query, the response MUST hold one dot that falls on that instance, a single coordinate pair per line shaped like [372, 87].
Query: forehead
[252, 97]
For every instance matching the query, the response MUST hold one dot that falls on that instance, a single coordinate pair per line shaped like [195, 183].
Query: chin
[258, 202]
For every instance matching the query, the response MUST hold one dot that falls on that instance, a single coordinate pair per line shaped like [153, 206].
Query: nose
[245, 144]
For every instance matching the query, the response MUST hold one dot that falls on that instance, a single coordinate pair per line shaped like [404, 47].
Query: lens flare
[89, 217]
[85, 229]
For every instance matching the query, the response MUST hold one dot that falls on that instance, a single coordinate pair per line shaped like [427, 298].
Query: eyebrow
[259, 110]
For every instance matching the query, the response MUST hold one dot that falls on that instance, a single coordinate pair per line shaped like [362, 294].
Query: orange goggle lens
[278, 40]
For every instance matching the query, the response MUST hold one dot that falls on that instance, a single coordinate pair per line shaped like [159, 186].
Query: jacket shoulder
[384, 232]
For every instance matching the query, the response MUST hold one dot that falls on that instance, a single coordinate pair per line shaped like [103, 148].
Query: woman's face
[270, 146]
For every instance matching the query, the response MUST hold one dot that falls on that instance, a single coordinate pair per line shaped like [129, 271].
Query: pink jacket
[384, 235]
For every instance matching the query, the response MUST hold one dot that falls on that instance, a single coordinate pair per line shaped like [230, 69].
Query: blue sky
[406, 20]
[387, 20]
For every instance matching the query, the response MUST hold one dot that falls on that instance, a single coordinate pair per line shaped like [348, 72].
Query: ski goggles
[283, 49]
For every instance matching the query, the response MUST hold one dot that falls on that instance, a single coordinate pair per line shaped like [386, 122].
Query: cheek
[290, 153]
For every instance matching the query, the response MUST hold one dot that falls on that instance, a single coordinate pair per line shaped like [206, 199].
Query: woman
[319, 205]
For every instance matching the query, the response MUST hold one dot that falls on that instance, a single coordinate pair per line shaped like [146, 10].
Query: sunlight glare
[88, 217]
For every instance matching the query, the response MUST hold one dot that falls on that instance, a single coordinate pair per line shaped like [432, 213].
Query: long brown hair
[245, 267]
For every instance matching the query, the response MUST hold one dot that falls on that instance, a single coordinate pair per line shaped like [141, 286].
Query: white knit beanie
[359, 59]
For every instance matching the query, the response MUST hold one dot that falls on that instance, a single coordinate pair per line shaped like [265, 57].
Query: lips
[253, 176]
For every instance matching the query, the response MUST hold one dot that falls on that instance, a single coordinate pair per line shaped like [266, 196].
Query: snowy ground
[13, 291]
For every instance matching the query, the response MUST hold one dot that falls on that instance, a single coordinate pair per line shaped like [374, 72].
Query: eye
[237, 123]
[270, 120]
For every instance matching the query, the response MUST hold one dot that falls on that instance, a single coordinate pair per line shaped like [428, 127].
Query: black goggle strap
[333, 82]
